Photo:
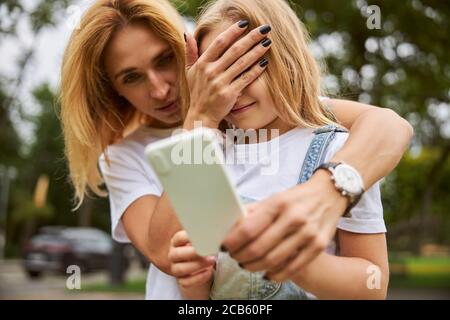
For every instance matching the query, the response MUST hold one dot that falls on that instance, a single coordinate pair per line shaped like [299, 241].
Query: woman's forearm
[378, 139]
[333, 277]
[163, 225]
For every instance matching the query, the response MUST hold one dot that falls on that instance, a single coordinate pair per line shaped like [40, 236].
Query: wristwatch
[347, 181]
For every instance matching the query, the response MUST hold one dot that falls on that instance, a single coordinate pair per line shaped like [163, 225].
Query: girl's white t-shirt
[277, 168]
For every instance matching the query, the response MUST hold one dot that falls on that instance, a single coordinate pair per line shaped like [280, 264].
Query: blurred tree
[45, 154]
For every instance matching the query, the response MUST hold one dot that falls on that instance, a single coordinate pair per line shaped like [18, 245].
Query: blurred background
[403, 65]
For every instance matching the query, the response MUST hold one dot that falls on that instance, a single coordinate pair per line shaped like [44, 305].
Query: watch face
[348, 179]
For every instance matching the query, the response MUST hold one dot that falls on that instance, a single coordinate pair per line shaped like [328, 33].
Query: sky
[45, 66]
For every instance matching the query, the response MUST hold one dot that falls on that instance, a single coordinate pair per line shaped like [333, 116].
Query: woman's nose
[158, 87]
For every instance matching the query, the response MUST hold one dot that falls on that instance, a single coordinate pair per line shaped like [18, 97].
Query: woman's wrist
[195, 119]
[323, 183]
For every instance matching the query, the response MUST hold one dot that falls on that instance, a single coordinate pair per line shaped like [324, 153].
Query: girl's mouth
[241, 108]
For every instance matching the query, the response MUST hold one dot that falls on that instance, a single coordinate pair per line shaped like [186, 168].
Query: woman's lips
[240, 109]
[168, 108]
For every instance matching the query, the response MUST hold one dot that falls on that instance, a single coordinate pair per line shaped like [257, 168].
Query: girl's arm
[360, 272]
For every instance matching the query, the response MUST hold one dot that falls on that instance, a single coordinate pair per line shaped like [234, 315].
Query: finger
[233, 56]
[251, 226]
[251, 208]
[180, 239]
[267, 241]
[304, 257]
[278, 257]
[180, 254]
[224, 41]
[249, 76]
[196, 280]
[184, 269]
[191, 50]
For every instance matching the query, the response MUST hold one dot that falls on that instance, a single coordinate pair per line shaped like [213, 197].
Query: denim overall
[234, 283]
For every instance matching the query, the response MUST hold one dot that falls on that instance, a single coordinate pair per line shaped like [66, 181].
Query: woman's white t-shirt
[277, 168]
[128, 178]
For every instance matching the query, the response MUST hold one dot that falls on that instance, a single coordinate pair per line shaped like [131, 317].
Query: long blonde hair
[93, 115]
[293, 76]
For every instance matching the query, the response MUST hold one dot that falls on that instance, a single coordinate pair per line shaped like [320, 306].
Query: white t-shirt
[277, 168]
[130, 177]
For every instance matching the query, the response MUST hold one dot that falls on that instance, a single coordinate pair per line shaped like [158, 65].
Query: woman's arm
[150, 223]
[360, 272]
[377, 141]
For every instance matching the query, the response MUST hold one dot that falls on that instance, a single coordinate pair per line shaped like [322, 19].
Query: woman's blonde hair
[293, 76]
[93, 115]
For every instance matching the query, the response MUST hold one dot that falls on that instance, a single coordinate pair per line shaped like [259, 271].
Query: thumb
[191, 50]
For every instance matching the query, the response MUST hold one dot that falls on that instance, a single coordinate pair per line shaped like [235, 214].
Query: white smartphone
[190, 167]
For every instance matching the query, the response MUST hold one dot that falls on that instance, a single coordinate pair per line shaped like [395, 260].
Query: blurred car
[53, 249]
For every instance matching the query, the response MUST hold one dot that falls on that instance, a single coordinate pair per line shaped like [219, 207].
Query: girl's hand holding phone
[194, 273]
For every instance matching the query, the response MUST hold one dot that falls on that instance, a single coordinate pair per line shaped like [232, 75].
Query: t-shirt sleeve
[367, 215]
[127, 178]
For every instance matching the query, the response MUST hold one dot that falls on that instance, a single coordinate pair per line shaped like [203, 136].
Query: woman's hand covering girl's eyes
[218, 77]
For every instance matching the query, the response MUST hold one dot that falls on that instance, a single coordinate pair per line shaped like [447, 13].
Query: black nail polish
[185, 38]
[223, 249]
[264, 62]
[241, 265]
[265, 277]
[266, 42]
[265, 29]
[243, 23]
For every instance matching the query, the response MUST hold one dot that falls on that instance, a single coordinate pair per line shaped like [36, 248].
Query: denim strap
[317, 150]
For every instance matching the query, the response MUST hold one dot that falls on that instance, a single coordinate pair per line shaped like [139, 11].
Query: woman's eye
[133, 77]
[164, 61]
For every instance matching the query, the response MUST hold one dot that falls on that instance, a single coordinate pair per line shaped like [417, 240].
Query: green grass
[130, 286]
[420, 272]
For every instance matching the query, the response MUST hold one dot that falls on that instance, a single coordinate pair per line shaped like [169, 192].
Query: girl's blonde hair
[93, 115]
[293, 76]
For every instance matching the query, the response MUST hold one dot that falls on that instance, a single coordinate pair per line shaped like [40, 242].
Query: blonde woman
[124, 86]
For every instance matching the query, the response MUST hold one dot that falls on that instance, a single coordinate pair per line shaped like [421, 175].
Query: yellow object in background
[40, 193]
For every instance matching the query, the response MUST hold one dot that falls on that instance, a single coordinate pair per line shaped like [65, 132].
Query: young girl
[123, 85]
[286, 99]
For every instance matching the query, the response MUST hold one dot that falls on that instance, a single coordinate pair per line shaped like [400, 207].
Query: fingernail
[223, 249]
[264, 62]
[265, 29]
[241, 265]
[266, 42]
[265, 277]
[243, 23]
[185, 38]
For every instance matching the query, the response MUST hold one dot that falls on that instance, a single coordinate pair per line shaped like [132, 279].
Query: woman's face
[261, 112]
[143, 70]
